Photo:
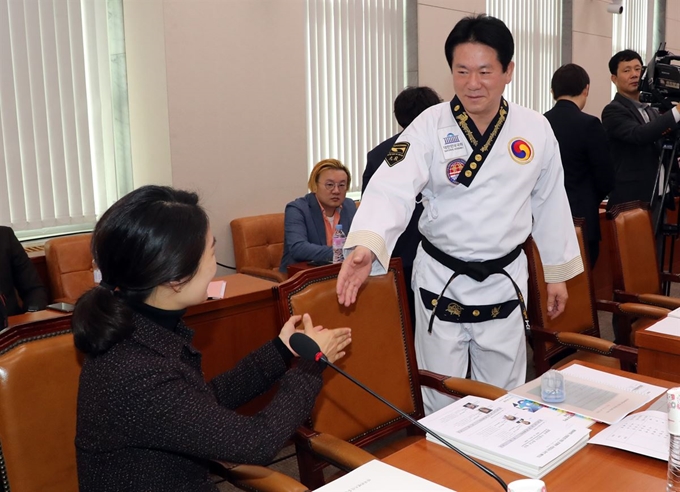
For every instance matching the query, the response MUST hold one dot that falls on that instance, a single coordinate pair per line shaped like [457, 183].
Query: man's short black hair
[623, 56]
[569, 80]
[411, 102]
[482, 29]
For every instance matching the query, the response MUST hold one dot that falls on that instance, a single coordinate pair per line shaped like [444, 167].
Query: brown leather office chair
[381, 356]
[258, 245]
[577, 327]
[636, 266]
[38, 400]
[69, 266]
[38, 392]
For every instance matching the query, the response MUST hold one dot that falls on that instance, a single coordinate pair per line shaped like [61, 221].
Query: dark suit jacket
[588, 170]
[407, 244]
[634, 148]
[305, 232]
[17, 272]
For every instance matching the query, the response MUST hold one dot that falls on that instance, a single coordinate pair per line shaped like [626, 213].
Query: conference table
[225, 330]
[593, 468]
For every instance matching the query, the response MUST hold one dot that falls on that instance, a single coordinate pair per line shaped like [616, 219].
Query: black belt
[478, 270]
[454, 311]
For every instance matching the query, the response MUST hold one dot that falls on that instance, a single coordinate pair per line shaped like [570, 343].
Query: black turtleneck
[166, 318]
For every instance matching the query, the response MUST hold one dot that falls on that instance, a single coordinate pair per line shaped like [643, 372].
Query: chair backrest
[580, 314]
[381, 354]
[69, 266]
[38, 399]
[635, 264]
[258, 241]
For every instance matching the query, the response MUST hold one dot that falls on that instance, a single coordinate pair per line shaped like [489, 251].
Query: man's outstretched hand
[354, 272]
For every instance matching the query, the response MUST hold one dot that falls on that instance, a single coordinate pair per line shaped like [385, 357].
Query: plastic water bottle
[673, 480]
[338, 244]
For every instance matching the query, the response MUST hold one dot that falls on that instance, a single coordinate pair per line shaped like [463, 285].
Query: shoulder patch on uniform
[397, 153]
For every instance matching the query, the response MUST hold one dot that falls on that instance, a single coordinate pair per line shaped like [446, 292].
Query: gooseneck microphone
[308, 349]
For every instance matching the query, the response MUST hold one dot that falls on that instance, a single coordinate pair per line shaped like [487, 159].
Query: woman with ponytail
[147, 420]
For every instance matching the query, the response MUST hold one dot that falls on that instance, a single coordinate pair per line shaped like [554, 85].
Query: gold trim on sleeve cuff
[561, 273]
[372, 241]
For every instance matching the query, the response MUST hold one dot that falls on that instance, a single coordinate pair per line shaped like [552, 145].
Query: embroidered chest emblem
[521, 151]
[453, 169]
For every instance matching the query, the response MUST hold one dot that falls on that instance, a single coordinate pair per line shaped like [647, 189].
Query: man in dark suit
[17, 272]
[409, 103]
[588, 170]
[634, 130]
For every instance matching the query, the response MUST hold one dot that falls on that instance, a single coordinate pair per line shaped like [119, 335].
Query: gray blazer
[305, 232]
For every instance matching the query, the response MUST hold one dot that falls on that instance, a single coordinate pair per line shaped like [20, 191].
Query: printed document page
[541, 408]
[376, 476]
[643, 433]
[596, 394]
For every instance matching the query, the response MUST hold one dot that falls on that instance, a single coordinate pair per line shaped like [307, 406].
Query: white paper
[596, 394]
[674, 314]
[376, 476]
[643, 433]
[614, 381]
[667, 326]
[530, 444]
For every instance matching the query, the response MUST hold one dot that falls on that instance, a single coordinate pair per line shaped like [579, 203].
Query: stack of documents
[531, 444]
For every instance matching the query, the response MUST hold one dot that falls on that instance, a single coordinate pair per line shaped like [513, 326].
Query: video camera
[660, 82]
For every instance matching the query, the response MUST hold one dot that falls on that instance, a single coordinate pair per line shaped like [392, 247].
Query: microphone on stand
[308, 349]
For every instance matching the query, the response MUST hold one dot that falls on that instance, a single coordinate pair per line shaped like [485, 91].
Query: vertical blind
[355, 70]
[56, 123]
[537, 29]
[629, 30]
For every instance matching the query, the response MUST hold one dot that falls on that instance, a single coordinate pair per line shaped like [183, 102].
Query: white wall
[231, 74]
[592, 49]
[672, 26]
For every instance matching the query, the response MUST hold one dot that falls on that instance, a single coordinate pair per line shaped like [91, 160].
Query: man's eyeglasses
[330, 185]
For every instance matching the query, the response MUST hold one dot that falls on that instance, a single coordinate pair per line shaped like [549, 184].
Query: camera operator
[634, 131]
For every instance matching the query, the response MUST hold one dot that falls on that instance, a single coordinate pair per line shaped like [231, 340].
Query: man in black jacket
[634, 130]
[588, 171]
[17, 272]
[409, 103]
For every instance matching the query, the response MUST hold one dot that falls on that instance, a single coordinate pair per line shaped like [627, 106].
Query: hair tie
[107, 286]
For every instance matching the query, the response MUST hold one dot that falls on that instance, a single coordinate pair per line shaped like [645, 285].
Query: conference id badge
[452, 142]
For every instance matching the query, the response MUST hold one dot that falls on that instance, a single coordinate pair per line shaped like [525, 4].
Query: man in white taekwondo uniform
[490, 174]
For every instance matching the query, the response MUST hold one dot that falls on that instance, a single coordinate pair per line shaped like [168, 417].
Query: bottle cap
[673, 396]
[527, 485]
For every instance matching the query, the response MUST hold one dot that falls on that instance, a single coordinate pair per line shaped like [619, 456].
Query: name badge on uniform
[452, 143]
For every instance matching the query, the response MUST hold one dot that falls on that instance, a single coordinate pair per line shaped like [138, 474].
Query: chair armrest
[632, 309]
[643, 310]
[653, 299]
[459, 387]
[266, 273]
[257, 478]
[596, 345]
[659, 300]
[342, 454]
